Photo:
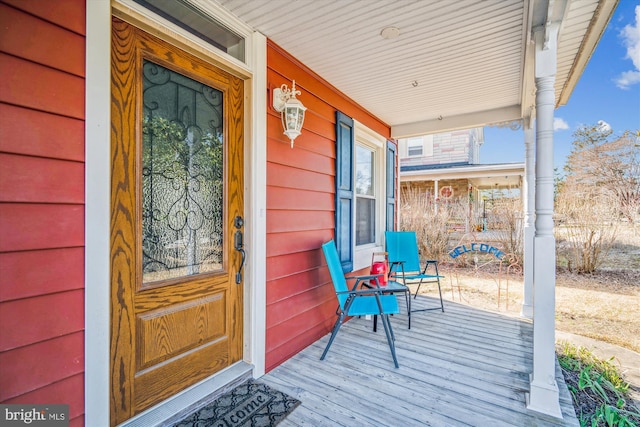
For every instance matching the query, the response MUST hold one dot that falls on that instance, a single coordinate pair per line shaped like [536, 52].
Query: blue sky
[609, 91]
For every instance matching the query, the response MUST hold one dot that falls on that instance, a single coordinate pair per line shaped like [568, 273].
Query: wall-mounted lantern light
[291, 109]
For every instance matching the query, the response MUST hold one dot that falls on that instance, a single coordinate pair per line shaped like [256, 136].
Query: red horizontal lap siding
[319, 131]
[42, 55]
[57, 270]
[38, 180]
[284, 221]
[287, 339]
[284, 287]
[31, 320]
[35, 86]
[69, 391]
[301, 300]
[35, 133]
[296, 241]
[294, 177]
[282, 153]
[293, 199]
[77, 422]
[27, 369]
[290, 264]
[32, 226]
[309, 143]
[41, 44]
[68, 14]
[301, 322]
[306, 302]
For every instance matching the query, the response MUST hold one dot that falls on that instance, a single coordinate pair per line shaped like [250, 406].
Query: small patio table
[391, 287]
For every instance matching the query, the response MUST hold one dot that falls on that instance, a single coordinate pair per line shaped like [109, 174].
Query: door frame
[97, 198]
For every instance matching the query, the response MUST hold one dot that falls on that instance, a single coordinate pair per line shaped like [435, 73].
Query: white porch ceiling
[472, 59]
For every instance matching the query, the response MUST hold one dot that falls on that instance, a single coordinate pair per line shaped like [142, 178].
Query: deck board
[463, 367]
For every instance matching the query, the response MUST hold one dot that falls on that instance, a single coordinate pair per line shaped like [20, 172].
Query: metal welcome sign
[476, 247]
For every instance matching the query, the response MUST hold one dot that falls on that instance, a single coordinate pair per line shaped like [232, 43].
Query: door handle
[238, 244]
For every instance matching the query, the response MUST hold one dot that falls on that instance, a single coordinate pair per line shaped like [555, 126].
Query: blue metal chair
[404, 262]
[359, 300]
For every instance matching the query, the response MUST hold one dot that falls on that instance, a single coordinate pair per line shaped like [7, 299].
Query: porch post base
[527, 311]
[544, 398]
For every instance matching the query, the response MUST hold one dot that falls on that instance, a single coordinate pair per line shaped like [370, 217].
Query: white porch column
[528, 191]
[543, 396]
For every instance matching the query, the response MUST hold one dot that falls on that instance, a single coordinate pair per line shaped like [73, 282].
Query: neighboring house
[141, 160]
[445, 167]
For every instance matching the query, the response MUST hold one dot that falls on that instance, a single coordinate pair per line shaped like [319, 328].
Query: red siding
[69, 14]
[292, 177]
[57, 272]
[41, 43]
[41, 88]
[42, 54]
[30, 226]
[49, 316]
[58, 181]
[307, 157]
[294, 199]
[40, 134]
[72, 388]
[40, 365]
[301, 301]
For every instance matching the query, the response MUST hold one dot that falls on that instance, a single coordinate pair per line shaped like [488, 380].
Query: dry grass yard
[603, 306]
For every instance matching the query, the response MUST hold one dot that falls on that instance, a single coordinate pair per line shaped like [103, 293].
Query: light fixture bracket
[283, 94]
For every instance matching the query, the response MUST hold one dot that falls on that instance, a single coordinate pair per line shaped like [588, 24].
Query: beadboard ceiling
[455, 64]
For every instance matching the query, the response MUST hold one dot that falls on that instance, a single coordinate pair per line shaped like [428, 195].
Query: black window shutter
[344, 189]
[391, 186]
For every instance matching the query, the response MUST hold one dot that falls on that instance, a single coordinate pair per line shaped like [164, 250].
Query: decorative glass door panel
[182, 176]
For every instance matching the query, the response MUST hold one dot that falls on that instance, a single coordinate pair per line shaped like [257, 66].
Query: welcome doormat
[251, 404]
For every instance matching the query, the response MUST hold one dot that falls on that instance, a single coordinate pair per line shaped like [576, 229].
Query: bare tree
[600, 188]
[599, 161]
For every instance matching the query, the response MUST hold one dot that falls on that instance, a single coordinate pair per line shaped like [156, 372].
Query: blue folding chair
[359, 300]
[404, 264]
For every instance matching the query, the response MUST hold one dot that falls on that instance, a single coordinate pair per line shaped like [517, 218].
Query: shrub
[587, 228]
[508, 229]
[430, 220]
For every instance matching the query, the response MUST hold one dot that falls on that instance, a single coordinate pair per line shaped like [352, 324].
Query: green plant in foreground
[612, 416]
[598, 390]
[578, 357]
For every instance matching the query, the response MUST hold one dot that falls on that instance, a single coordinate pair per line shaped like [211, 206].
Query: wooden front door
[176, 199]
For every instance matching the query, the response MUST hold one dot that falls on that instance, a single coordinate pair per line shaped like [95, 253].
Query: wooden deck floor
[462, 367]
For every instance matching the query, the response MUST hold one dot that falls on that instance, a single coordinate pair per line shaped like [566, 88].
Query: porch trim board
[97, 211]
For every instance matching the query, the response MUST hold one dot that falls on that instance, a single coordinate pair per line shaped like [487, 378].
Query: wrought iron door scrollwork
[182, 175]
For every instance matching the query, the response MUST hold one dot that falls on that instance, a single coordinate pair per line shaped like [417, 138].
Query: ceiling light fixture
[390, 33]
